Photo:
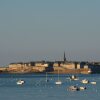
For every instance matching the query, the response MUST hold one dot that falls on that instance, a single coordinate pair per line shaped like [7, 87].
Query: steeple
[64, 57]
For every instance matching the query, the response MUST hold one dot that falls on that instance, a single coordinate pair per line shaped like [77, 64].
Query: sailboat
[20, 82]
[85, 81]
[73, 77]
[46, 78]
[58, 82]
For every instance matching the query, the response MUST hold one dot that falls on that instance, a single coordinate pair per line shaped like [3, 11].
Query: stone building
[68, 65]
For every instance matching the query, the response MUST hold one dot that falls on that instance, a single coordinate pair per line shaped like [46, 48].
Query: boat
[82, 88]
[85, 81]
[93, 83]
[58, 82]
[73, 88]
[73, 77]
[20, 82]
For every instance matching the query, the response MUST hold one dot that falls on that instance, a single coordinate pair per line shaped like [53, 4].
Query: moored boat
[85, 81]
[82, 88]
[93, 83]
[73, 77]
[58, 82]
[20, 82]
[73, 88]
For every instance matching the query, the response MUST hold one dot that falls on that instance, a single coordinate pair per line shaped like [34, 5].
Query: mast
[46, 76]
[58, 74]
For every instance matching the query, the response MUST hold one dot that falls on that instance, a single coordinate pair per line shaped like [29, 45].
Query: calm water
[35, 87]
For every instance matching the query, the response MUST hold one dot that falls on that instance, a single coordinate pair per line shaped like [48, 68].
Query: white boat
[73, 88]
[85, 81]
[93, 83]
[73, 77]
[20, 82]
[58, 82]
[82, 88]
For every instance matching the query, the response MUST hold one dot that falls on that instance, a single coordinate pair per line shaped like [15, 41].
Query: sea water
[36, 88]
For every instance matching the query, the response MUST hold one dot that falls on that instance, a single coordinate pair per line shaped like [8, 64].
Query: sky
[35, 30]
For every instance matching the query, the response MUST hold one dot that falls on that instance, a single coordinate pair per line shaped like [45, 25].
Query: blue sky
[43, 29]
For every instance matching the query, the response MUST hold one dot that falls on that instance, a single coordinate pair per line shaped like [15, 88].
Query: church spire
[64, 57]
